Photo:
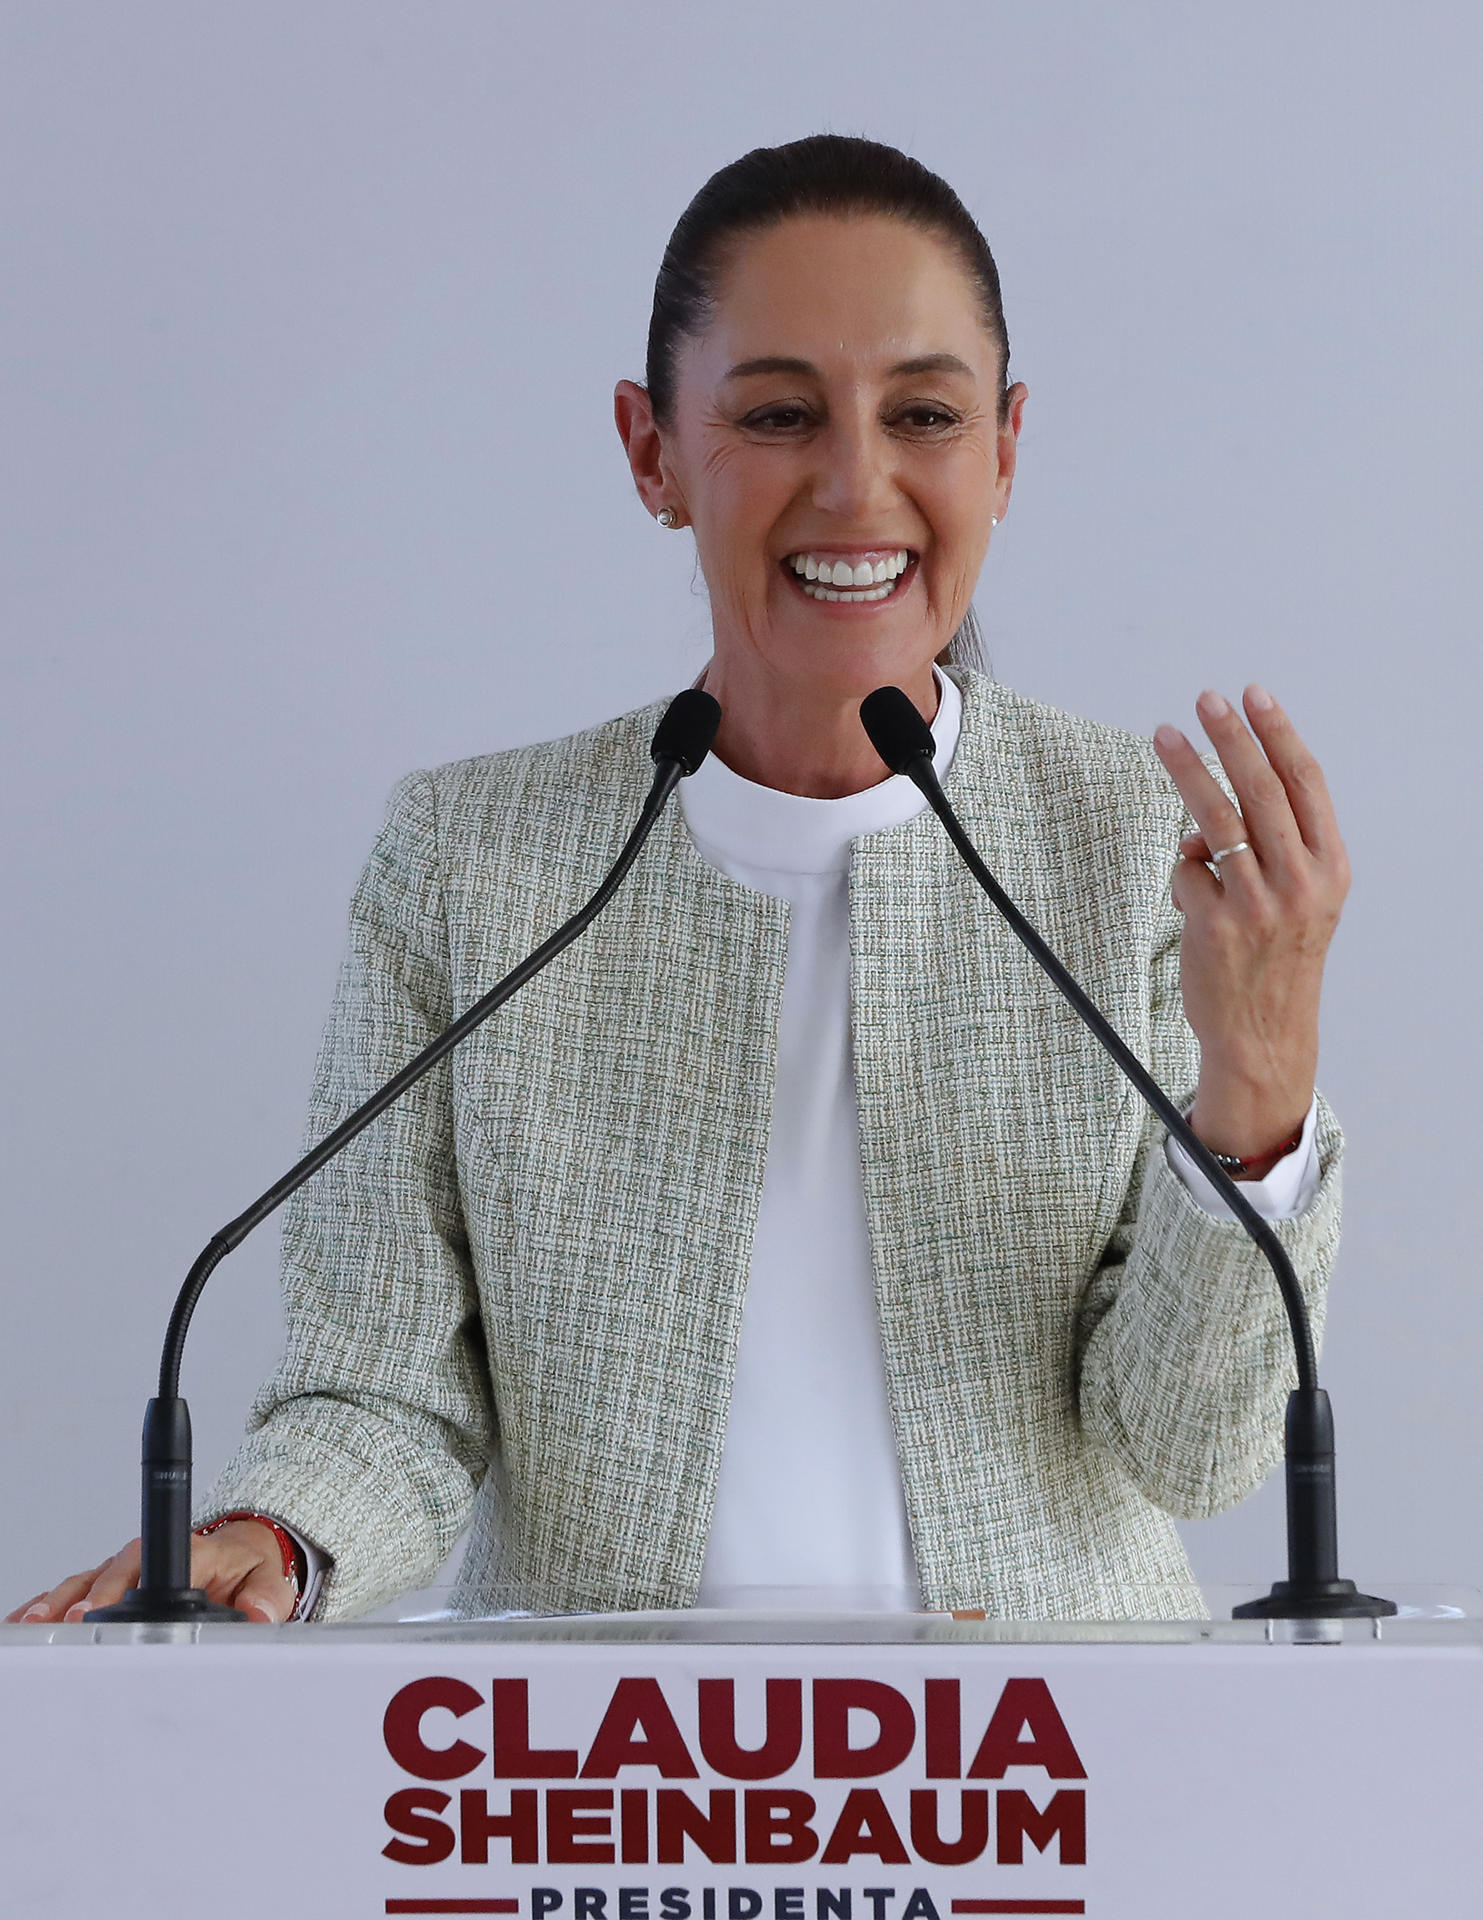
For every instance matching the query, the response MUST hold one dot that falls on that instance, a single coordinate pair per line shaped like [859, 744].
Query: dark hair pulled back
[829, 173]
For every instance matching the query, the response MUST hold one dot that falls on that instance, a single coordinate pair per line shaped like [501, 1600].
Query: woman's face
[839, 411]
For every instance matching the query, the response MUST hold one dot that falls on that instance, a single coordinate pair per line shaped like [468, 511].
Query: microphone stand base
[168, 1607]
[1315, 1600]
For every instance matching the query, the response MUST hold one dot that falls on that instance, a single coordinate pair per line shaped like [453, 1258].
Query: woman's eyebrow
[777, 363]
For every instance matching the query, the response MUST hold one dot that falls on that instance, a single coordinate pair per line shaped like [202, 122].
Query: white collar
[735, 820]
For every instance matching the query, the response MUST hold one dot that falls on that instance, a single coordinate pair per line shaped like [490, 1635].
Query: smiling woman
[828, 1256]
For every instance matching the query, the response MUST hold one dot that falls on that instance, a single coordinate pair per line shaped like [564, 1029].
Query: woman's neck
[801, 740]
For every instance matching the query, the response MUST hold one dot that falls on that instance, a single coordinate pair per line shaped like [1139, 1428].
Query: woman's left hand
[1256, 931]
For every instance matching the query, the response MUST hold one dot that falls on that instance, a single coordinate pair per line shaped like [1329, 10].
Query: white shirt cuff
[1288, 1190]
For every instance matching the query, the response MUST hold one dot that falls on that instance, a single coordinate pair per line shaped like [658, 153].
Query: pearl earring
[994, 520]
[667, 517]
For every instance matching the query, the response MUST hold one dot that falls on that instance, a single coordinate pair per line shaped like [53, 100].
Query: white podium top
[1427, 1616]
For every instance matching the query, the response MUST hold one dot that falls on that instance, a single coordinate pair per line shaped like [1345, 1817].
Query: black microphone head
[897, 731]
[687, 729]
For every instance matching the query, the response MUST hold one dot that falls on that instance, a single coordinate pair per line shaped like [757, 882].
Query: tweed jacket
[515, 1299]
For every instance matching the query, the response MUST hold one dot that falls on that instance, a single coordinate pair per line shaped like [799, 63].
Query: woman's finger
[53, 1604]
[1194, 853]
[1195, 847]
[110, 1582]
[1260, 792]
[263, 1594]
[1216, 817]
[33, 1609]
[1302, 777]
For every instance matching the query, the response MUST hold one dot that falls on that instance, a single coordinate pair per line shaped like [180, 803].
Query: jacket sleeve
[1185, 1357]
[374, 1433]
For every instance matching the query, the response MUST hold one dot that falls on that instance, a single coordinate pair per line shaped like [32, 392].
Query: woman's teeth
[822, 577]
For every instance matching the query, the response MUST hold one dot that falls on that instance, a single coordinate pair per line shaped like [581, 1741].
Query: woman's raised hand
[1257, 924]
[239, 1565]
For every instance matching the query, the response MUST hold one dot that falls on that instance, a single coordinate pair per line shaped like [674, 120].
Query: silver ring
[1225, 853]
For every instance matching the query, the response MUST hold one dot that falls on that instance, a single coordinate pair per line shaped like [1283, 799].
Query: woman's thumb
[265, 1595]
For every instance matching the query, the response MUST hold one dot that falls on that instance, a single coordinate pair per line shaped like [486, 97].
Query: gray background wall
[309, 321]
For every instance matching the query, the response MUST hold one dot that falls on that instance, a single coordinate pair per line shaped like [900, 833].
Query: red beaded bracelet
[285, 1547]
[1233, 1163]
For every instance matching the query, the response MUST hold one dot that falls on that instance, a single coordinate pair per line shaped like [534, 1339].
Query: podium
[746, 1766]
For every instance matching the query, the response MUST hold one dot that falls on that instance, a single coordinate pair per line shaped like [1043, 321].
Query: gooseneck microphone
[1313, 1589]
[164, 1594]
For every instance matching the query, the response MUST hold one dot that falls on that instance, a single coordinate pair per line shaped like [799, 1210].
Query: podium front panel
[695, 1767]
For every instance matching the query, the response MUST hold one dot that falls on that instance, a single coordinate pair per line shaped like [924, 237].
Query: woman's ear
[1009, 444]
[644, 446]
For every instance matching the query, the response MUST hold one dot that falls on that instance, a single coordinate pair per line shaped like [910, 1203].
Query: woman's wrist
[1249, 1129]
[1252, 1119]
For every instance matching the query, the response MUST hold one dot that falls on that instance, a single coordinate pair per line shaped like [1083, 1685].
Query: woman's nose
[856, 473]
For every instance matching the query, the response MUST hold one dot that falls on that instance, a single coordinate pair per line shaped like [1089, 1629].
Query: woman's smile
[850, 577]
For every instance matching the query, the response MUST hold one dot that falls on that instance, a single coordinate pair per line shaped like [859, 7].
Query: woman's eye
[933, 418]
[779, 417]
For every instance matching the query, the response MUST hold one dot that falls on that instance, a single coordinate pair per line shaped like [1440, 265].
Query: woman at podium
[789, 1232]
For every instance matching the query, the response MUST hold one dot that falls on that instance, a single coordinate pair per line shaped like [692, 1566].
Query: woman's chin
[851, 665]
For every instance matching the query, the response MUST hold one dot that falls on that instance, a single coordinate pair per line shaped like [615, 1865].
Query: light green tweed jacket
[516, 1298]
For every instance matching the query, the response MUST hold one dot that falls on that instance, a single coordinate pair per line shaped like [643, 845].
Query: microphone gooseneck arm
[1313, 1589]
[1259, 1228]
[681, 742]
[666, 778]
